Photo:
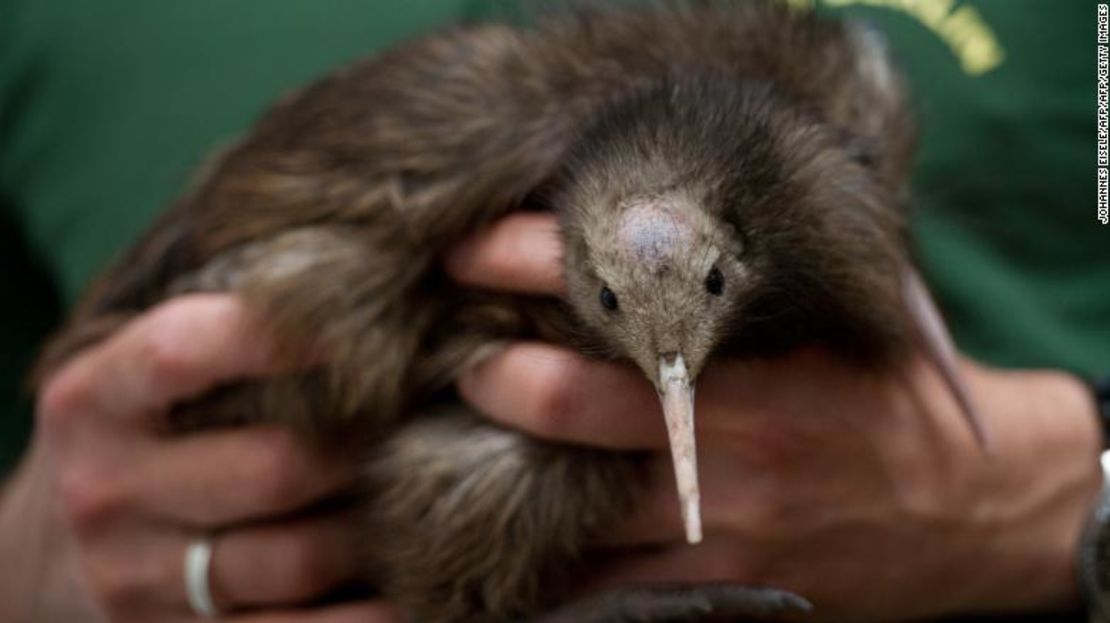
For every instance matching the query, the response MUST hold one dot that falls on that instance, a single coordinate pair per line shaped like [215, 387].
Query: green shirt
[106, 107]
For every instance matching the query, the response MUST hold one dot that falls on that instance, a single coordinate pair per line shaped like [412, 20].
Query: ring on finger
[198, 565]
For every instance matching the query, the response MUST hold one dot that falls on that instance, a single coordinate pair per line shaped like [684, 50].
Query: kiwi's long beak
[677, 393]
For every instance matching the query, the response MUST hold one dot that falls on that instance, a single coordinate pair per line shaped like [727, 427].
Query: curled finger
[175, 351]
[557, 394]
[284, 564]
[522, 252]
[220, 477]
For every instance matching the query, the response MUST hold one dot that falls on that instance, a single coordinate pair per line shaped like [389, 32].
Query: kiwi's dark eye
[715, 282]
[608, 299]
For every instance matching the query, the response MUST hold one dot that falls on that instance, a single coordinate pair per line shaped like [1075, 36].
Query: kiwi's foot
[674, 603]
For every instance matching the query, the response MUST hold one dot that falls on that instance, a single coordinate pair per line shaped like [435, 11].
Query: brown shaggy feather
[332, 213]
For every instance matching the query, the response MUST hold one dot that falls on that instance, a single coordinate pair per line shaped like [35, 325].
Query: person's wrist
[1036, 492]
[1094, 547]
[44, 585]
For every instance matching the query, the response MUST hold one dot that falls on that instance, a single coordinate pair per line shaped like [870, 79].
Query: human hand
[864, 492]
[95, 524]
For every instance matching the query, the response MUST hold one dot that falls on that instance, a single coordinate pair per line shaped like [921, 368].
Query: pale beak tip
[692, 518]
[677, 393]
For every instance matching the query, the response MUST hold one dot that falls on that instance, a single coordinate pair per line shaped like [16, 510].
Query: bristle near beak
[677, 393]
[941, 351]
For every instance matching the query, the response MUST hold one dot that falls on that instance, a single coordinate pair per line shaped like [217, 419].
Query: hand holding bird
[766, 525]
[817, 477]
[734, 189]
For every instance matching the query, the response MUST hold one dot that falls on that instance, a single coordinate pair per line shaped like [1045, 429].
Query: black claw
[764, 600]
[679, 604]
[741, 601]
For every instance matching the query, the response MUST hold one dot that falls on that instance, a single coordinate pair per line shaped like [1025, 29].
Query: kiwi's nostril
[715, 282]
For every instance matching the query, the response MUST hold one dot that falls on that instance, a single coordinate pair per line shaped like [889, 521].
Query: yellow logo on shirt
[962, 28]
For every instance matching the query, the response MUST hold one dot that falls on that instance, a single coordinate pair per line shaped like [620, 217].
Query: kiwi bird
[729, 179]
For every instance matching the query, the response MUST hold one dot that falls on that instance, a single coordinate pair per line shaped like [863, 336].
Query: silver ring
[198, 561]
